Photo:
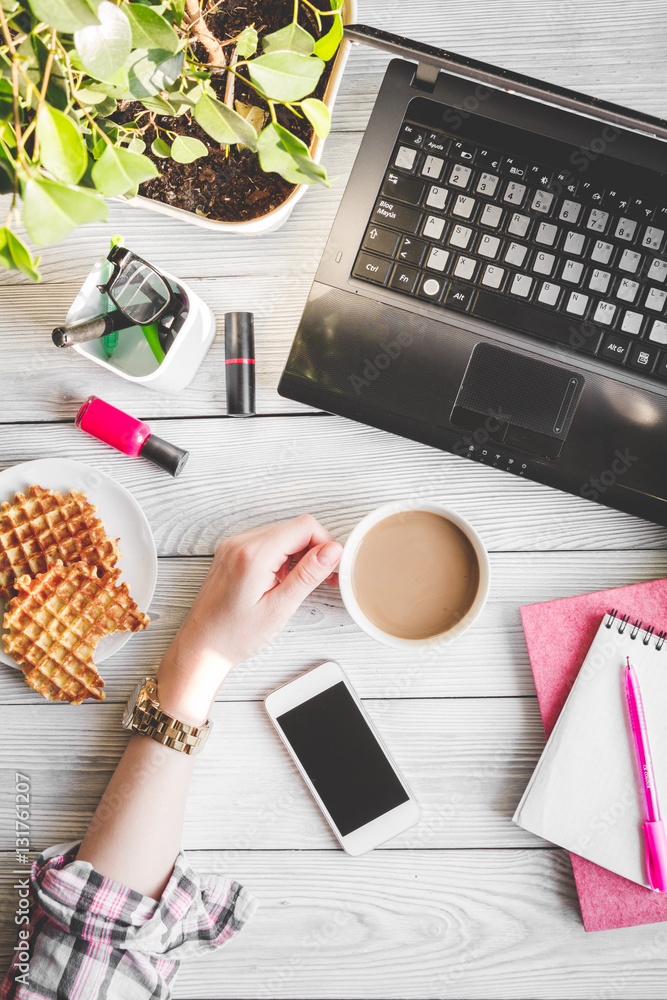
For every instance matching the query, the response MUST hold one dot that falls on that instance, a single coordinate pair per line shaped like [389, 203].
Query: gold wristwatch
[144, 715]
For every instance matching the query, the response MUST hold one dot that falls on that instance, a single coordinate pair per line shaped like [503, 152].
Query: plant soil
[228, 184]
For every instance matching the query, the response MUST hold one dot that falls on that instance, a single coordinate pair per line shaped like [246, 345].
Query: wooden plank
[42, 382]
[243, 473]
[490, 660]
[474, 925]
[467, 761]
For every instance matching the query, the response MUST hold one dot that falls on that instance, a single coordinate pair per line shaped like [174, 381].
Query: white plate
[121, 516]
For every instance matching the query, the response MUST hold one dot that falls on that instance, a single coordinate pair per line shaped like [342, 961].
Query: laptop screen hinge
[426, 76]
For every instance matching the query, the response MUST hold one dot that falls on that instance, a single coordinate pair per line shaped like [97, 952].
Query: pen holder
[133, 359]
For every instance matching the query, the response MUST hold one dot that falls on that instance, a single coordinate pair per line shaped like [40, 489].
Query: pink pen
[654, 828]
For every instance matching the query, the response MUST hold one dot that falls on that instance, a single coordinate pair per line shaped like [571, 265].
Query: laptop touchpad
[517, 400]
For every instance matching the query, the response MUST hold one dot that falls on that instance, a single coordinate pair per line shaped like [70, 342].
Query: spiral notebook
[559, 634]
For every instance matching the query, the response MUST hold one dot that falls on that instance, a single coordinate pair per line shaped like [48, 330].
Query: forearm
[135, 835]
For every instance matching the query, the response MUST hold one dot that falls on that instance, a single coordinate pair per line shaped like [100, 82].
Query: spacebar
[538, 322]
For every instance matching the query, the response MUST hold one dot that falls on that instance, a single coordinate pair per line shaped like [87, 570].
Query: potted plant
[101, 100]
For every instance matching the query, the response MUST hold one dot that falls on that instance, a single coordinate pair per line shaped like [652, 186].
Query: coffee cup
[414, 574]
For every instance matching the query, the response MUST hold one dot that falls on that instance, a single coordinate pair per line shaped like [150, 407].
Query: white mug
[347, 564]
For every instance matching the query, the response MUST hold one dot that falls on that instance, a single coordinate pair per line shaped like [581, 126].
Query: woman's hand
[247, 597]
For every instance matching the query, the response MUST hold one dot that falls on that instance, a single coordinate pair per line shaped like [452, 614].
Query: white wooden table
[466, 904]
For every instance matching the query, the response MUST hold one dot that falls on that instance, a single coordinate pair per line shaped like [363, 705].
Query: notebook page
[585, 793]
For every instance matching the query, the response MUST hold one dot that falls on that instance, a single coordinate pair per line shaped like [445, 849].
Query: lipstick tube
[130, 436]
[240, 363]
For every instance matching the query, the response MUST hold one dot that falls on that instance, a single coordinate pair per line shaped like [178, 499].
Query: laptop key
[431, 288]
[577, 304]
[569, 212]
[521, 285]
[627, 290]
[574, 243]
[493, 276]
[460, 175]
[543, 263]
[463, 206]
[437, 259]
[626, 229]
[488, 246]
[380, 240]
[542, 202]
[630, 261]
[411, 251]
[599, 281]
[519, 225]
[572, 271]
[658, 270]
[643, 357]
[514, 193]
[465, 268]
[602, 252]
[615, 348]
[372, 268]
[460, 237]
[514, 168]
[408, 189]
[397, 216]
[433, 227]
[412, 134]
[549, 293]
[604, 313]
[655, 299]
[404, 279]
[632, 322]
[405, 158]
[489, 159]
[459, 297]
[597, 220]
[658, 332]
[515, 254]
[437, 198]
[544, 325]
[463, 151]
[436, 143]
[491, 216]
[546, 234]
[653, 238]
[487, 184]
[432, 168]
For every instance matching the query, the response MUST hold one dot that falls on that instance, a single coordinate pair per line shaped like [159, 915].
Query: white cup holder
[133, 358]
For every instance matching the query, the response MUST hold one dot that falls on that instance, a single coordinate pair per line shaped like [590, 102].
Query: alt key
[614, 348]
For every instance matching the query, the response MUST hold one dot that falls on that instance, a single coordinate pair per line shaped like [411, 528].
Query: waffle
[38, 529]
[56, 621]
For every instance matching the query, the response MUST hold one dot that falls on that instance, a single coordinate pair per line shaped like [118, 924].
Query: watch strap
[150, 720]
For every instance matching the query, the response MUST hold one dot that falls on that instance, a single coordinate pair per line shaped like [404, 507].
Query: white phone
[342, 759]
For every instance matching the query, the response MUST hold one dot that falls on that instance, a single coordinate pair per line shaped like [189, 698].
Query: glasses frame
[120, 258]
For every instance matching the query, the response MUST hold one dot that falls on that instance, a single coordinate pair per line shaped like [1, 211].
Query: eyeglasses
[138, 290]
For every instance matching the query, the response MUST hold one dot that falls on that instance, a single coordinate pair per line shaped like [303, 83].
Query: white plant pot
[277, 216]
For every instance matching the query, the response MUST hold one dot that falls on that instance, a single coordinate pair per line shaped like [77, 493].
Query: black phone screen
[341, 756]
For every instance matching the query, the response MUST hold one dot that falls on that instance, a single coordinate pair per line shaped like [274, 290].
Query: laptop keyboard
[563, 255]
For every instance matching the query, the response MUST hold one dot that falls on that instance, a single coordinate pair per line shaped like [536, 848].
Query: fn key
[372, 268]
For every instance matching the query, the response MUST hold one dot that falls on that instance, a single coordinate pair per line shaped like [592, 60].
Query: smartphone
[342, 759]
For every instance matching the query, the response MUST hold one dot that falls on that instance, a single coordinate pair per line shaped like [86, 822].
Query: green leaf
[292, 37]
[246, 45]
[177, 11]
[118, 170]
[137, 145]
[61, 146]
[91, 96]
[6, 174]
[184, 149]
[326, 46]
[223, 124]
[150, 30]
[318, 115]
[15, 255]
[159, 106]
[34, 55]
[104, 47]
[282, 153]
[151, 71]
[6, 101]
[285, 76]
[161, 148]
[51, 211]
[107, 107]
[64, 15]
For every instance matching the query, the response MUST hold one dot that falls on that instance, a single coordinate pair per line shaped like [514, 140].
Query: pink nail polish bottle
[129, 435]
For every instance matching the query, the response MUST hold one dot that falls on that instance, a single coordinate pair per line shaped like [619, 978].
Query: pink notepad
[558, 634]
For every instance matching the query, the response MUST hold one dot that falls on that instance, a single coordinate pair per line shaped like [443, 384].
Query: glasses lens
[141, 293]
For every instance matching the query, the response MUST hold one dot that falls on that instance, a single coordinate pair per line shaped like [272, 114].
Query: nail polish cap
[168, 456]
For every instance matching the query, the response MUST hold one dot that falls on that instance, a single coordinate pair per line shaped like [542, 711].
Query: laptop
[495, 281]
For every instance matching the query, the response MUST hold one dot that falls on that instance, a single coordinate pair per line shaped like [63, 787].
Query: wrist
[187, 685]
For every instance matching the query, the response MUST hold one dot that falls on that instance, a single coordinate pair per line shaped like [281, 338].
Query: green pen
[152, 336]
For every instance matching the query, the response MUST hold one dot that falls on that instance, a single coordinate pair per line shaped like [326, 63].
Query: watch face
[129, 708]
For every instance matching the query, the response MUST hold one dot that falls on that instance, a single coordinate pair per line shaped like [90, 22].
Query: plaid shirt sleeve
[92, 937]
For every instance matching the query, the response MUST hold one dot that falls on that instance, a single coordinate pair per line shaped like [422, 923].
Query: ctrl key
[372, 268]
[614, 348]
